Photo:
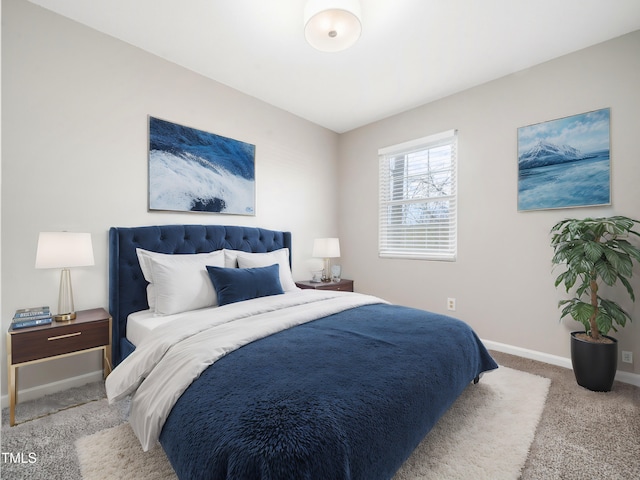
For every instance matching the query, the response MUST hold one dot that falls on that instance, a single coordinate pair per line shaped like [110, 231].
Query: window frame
[425, 245]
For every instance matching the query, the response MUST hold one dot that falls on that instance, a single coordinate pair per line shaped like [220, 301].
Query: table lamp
[326, 248]
[64, 250]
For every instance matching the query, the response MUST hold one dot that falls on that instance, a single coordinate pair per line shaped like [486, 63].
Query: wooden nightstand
[91, 330]
[343, 285]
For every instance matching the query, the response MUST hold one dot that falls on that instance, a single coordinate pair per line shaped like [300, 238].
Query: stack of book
[31, 317]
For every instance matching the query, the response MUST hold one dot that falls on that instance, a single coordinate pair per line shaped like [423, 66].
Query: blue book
[33, 317]
[30, 322]
[32, 312]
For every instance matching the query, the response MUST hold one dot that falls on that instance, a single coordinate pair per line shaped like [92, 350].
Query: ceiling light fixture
[332, 25]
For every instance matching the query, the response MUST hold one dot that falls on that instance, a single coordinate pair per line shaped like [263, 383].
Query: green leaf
[612, 257]
[629, 249]
[560, 278]
[617, 313]
[604, 322]
[593, 251]
[572, 307]
[582, 311]
[584, 286]
[606, 271]
[629, 288]
[569, 279]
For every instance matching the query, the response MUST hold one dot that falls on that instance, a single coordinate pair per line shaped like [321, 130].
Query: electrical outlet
[627, 357]
[451, 304]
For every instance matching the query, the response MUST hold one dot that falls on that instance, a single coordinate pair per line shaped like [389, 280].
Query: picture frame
[565, 163]
[191, 170]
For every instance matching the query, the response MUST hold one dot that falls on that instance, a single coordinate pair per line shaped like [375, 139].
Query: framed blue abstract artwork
[195, 171]
[565, 163]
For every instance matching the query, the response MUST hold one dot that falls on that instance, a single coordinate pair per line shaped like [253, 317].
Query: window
[418, 198]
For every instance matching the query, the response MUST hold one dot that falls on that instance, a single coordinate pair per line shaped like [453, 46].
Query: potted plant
[595, 251]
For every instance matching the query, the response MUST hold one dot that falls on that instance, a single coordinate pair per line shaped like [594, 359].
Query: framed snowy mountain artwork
[565, 163]
[195, 171]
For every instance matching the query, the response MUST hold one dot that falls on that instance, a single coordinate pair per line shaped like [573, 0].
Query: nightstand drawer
[43, 343]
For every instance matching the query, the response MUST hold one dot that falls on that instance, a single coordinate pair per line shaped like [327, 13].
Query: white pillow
[281, 257]
[180, 282]
[144, 259]
[231, 258]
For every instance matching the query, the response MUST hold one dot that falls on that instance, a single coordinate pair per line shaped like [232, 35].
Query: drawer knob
[59, 337]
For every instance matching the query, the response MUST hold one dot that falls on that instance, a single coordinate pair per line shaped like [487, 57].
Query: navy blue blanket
[346, 397]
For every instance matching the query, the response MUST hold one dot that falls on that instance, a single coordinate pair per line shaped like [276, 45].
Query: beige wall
[502, 279]
[74, 157]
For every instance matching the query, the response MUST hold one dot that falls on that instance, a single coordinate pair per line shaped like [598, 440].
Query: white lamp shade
[64, 250]
[326, 248]
[332, 25]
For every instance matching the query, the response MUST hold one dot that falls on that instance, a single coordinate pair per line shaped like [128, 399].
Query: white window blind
[418, 198]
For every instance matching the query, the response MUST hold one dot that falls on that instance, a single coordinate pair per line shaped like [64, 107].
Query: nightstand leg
[106, 363]
[13, 394]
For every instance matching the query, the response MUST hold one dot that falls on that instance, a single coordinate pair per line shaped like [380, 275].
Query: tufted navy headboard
[127, 286]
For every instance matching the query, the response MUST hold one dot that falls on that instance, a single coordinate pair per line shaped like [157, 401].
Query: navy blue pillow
[238, 284]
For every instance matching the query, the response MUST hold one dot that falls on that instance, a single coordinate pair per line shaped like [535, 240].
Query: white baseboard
[626, 377]
[49, 388]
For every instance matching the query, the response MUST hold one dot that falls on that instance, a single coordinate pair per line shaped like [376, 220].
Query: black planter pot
[594, 364]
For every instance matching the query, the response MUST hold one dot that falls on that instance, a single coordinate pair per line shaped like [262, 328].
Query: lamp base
[65, 317]
[65, 298]
[326, 273]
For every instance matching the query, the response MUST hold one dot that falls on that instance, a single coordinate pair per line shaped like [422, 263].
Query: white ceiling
[411, 51]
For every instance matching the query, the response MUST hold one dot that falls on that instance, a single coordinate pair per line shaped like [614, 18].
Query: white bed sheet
[141, 324]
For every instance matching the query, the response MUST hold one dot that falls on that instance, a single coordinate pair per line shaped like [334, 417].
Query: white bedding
[172, 355]
[141, 324]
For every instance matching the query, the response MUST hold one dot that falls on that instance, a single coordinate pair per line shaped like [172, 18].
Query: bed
[268, 381]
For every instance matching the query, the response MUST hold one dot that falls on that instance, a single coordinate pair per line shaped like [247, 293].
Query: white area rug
[486, 434]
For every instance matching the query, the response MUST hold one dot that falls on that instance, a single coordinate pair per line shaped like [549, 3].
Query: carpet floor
[44, 448]
[580, 434]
